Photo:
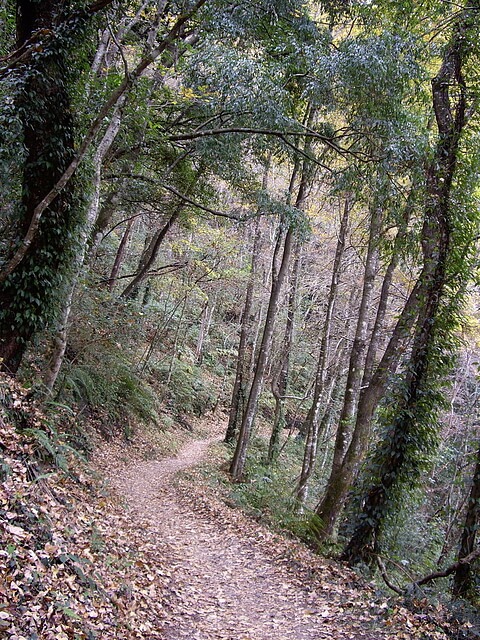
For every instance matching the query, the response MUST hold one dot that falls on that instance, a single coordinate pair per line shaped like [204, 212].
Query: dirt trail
[223, 586]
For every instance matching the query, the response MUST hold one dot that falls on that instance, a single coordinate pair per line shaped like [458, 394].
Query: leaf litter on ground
[163, 555]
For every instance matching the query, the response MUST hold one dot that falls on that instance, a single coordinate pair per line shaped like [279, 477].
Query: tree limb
[386, 579]
[203, 133]
[214, 212]
[159, 271]
[95, 127]
[449, 570]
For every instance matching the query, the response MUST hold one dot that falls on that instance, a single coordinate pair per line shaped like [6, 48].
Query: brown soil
[229, 582]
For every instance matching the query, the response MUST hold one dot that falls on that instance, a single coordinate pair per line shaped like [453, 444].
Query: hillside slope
[157, 557]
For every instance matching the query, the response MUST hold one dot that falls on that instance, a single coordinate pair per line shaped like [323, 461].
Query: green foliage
[44, 132]
[98, 375]
[254, 22]
[267, 491]
[412, 542]
[7, 26]
[112, 389]
[53, 447]
[186, 388]
[289, 215]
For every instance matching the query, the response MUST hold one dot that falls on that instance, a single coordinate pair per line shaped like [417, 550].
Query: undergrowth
[267, 493]
[185, 386]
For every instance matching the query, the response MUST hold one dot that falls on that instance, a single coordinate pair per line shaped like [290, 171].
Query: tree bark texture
[148, 258]
[449, 100]
[464, 576]
[207, 315]
[59, 342]
[120, 255]
[279, 275]
[29, 294]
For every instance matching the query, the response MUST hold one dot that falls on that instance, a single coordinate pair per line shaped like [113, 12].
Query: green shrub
[268, 491]
[110, 388]
[186, 388]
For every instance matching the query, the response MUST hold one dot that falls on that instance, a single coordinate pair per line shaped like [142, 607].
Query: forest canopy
[270, 207]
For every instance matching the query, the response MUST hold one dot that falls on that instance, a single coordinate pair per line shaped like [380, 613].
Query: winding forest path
[225, 583]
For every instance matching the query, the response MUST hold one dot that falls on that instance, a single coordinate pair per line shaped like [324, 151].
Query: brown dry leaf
[176, 562]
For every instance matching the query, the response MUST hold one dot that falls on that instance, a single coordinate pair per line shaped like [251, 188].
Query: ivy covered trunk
[28, 296]
[412, 429]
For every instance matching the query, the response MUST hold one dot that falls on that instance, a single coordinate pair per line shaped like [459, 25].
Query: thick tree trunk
[449, 100]
[59, 343]
[29, 294]
[373, 386]
[362, 546]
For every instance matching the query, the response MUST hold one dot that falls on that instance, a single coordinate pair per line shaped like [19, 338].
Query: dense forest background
[266, 206]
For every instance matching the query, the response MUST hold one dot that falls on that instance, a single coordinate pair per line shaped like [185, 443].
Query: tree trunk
[374, 383]
[243, 359]
[239, 458]
[121, 251]
[150, 254]
[105, 213]
[331, 503]
[29, 294]
[374, 342]
[464, 576]
[207, 315]
[59, 343]
[449, 100]
[278, 277]
[312, 422]
[280, 383]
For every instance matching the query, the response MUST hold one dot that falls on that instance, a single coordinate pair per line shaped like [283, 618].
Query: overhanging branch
[95, 127]
[159, 271]
[196, 204]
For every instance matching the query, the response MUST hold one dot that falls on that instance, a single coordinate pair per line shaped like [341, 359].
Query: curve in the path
[223, 586]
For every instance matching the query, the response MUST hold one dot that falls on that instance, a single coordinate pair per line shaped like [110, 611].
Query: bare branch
[159, 271]
[451, 569]
[203, 133]
[214, 212]
[386, 579]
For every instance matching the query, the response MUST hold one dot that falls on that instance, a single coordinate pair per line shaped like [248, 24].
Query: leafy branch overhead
[255, 222]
